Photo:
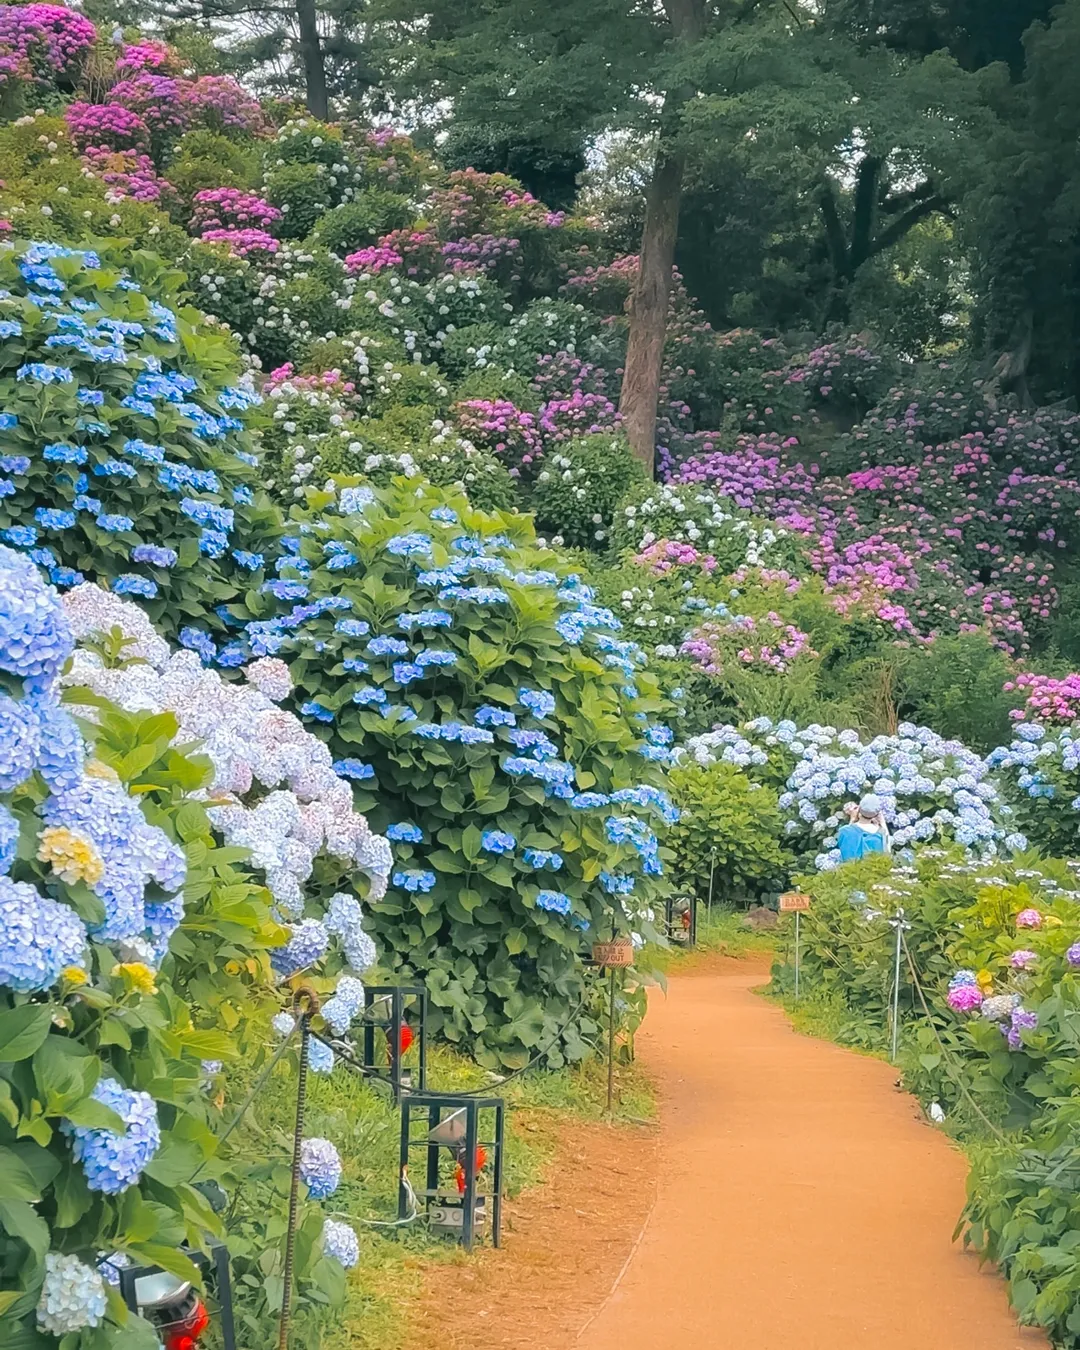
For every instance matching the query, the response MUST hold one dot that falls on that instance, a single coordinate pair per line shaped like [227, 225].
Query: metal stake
[611, 1041]
[797, 952]
[712, 874]
[305, 1004]
[899, 924]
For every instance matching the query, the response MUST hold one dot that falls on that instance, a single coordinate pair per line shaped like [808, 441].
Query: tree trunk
[314, 69]
[648, 307]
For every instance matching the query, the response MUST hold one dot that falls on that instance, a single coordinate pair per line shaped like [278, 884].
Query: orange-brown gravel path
[802, 1204]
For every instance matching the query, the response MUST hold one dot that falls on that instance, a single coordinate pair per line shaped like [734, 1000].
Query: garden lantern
[395, 1019]
[466, 1132]
[680, 917]
[173, 1307]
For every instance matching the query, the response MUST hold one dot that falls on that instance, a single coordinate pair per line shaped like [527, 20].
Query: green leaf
[22, 1030]
[168, 1258]
[95, 1115]
[73, 1197]
[175, 1161]
[17, 1181]
[20, 1220]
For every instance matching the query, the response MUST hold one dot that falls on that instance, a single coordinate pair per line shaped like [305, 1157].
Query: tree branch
[862, 221]
[899, 227]
[835, 239]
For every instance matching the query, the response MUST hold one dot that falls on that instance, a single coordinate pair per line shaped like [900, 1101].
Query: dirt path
[803, 1203]
[791, 1199]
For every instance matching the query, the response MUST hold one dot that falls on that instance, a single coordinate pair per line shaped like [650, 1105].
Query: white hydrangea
[72, 1296]
[303, 807]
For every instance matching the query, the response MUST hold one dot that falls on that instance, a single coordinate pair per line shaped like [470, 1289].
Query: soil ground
[790, 1198]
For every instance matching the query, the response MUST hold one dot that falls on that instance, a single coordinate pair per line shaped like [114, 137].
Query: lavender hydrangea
[340, 1242]
[345, 1005]
[112, 1162]
[320, 1167]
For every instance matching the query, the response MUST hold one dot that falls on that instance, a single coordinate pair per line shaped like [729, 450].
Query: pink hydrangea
[106, 125]
[52, 39]
[162, 102]
[376, 259]
[666, 554]
[243, 242]
[964, 998]
[220, 104]
[231, 208]
[1021, 959]
[502, 428]
[1047, 699]
[147, 55]
[1029, 918]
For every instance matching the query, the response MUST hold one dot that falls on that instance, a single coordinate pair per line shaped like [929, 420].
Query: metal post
[305, 1004]
[468, 1199]
[611, 1041]
[406, 1136]
[712, 874]
[899, 924]
[797, 953]
[497, 1177]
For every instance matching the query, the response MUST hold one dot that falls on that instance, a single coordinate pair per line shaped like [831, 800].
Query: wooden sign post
[794, 902]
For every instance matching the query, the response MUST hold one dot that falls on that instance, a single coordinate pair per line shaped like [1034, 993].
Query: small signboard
[794, 902]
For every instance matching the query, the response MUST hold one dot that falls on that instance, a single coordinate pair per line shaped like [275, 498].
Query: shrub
[1040, 772]
[500, 732]
[358, 223]
[579, 486]
[958, 685]
[730, 828]
[930, 788]
[124, 457]
[98, 1031]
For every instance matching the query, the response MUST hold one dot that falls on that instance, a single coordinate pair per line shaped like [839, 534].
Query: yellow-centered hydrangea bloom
[71, 856]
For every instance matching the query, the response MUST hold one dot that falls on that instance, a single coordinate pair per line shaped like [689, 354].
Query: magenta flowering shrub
[582, 414]
[228, 208]
[1046, 698]
[667, 555]
[220, 104]
[846, 374]
[242, 242]
[147, 55]
[48, 41]
[107, 125]
[499, 426]
[161, 101]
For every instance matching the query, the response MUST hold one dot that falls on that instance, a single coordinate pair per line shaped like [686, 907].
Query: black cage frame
[217, 1260]
[399, 999]
[691, 900]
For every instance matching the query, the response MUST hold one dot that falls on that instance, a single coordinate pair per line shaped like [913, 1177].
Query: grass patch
[722, 933]
[363, 1123]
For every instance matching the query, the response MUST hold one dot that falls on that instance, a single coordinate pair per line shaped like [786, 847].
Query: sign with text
[794, 902]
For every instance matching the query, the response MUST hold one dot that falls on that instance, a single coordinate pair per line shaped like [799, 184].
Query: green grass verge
[723, 933]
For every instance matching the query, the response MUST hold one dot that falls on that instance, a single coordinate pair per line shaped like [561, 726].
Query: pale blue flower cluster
[39, 937]
[307, 945]
[497, 841]
[72, 1296]
[112, 1161]
[538, 701]
[542, 858]
[320, 1168]
[929, 787]
[345, 920]
[345, 1005]
[404, 834]
[555, 902]
[340, 1241]
[415, 880]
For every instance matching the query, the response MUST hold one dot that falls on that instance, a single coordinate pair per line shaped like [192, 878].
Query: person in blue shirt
[865, 832]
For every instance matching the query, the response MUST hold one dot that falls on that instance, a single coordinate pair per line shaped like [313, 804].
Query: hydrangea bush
[931, 789]
[126, 456]
[500, 732]
[1040, 773]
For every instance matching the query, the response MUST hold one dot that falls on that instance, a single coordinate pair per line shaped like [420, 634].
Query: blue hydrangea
[61, 752]
[617, 883]
[353, 768]
[406, 671]
[130, 583]
[490, 716]
[35, 638]
[44, 373]
[112, 1162]
[60, 452]
[320, 1167]
[413, 545]
[371, 695]
[404, 834]
[317, 710]
[72, 1296]
[497, 841]
[39, 937]
[341, 1243]
[307, 945]
[9, 839]
[542, 858]
[355, 628]
[155, 556]
[414, 880]
[534, 742]
[345, 919]
[22, 536]
[115, 524]
[346, 1004]
[537, 701]
[320, 1057]
[445, 515]
[20, 742]
[16, 464]
[425, 618]
[387, 646]
[352, 501]
[555, 902]
[434, 656]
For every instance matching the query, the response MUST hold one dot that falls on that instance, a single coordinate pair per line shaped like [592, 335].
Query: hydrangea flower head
[497, 841]
[538, 701]
[320, 1167]
[72, 1296]
[1029, 918]
[340, 1242]
[112, 1162]
[39, 938]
